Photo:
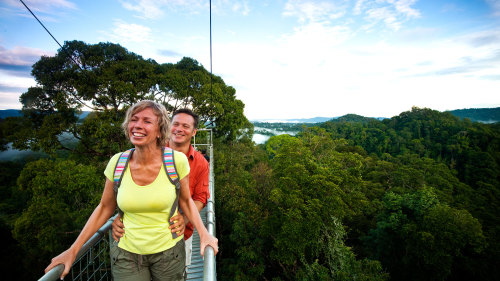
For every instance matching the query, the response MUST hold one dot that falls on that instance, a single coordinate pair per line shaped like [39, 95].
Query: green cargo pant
[166, 265]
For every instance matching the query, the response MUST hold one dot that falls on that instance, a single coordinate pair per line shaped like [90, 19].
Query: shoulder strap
[173, 176]
[120, 168]
[169, 164]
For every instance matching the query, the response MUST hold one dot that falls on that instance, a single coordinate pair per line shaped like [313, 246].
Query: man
[183, 128]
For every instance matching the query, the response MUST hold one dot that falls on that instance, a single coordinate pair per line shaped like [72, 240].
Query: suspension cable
[70, 56]
[211, 92]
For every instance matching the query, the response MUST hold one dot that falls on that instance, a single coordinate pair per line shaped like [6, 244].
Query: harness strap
[173, 176]
[120, 168]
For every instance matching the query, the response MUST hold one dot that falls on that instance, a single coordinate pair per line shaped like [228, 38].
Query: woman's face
[143, 129]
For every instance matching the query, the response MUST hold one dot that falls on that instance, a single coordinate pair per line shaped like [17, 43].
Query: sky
[285, 58]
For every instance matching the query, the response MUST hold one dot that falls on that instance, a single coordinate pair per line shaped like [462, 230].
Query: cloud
[45, 10]
[485, 39]
[320, 69]
[392, 13]
[44, 6]
[241, 7]
[476, 54]
[403, 7]
[155, 9]
[9, 88]
[470, 64]
[19, 60]
[126, 33]
[371, 13]
[169, 53]
[492, 77]
[384, 15]
[451, 7]
[313, 11]
[495, 6]
[15, 73]
[358, 7]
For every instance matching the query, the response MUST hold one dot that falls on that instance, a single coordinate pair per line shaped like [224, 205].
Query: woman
[147, 250]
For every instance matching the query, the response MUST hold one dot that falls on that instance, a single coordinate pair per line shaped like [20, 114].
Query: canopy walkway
[93, 261]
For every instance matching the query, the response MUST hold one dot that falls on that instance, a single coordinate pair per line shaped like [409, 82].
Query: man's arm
[199, 206]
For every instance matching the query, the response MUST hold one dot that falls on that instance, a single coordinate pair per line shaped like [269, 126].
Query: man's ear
[194, 132]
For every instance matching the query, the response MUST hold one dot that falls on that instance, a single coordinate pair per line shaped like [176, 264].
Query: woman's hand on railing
[209, 240]
[66, 258]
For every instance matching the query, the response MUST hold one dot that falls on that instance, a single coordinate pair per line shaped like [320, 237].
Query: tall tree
[106, 79]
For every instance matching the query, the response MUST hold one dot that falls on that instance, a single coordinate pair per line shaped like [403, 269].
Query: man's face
[182, 129]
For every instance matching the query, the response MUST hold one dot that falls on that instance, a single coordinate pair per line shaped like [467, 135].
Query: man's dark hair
[188, 112]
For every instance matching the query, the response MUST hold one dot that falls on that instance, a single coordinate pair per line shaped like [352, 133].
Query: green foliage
[341, 263]
[417, 192]
[243, 184]
[285, 214]
[426, 148]
[61, 195]
[418, 238]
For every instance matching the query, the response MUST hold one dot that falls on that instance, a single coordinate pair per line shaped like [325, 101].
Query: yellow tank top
[147, 208]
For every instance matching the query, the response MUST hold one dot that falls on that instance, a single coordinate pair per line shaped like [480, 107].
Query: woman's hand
[179, 226]
[209, 240]
[66, 258]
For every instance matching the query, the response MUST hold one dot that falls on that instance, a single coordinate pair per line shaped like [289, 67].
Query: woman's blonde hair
[159, 110]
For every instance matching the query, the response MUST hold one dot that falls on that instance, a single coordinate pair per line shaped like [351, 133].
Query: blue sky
[285, 58]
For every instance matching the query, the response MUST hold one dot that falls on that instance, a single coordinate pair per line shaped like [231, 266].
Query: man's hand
[179, 226]
[118, 228]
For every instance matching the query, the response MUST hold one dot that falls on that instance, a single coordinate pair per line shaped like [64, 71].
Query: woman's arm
[191, 211]
[101, 214]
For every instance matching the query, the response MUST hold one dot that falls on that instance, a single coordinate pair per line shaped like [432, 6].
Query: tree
[61, 196]
[188, 84]
[418, 238]
[107, 79]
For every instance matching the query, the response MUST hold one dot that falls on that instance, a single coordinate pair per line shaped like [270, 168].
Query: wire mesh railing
[92, 261]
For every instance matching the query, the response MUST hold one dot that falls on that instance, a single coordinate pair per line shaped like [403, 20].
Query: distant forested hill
[483, 115]
[17, 112]
[10, 113]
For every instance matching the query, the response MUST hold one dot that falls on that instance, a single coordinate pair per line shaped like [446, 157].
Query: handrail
[56, 272]
[209, 271]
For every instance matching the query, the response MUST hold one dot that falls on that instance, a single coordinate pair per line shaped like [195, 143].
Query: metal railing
[209, 265]
[93, 263]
